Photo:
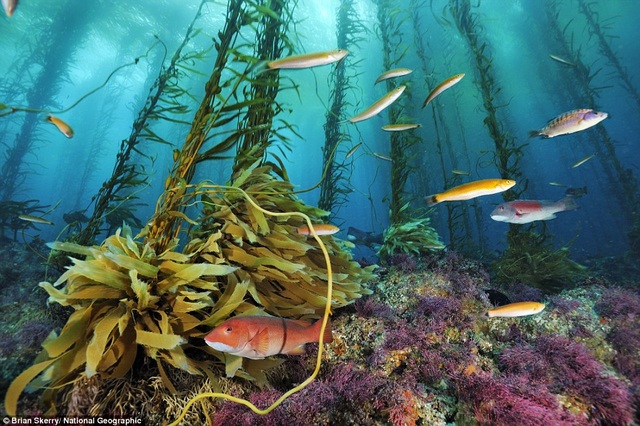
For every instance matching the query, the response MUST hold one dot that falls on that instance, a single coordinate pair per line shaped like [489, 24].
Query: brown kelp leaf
[130, 263]
[99, 272]
[101, 336]
[158, 340]
[20, 382]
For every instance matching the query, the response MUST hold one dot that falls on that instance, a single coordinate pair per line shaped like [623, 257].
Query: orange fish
[64, 128]
[257, 337]
[518, 309]
[321, 229]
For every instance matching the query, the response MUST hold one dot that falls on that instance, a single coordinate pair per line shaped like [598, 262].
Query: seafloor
[416, 352]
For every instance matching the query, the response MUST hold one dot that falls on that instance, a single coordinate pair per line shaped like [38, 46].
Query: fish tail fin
[431, 200]
[569, 203]
[315, 328]
[534, 133]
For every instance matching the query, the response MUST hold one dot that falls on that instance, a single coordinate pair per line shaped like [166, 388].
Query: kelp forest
[382, 177]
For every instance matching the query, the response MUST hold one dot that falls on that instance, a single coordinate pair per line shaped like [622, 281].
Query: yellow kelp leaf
[141, 290]
[158, 340]
[70, 248]
[101, 336]
[232, 364]
[92, 292]
[72, 332]
[131, 263]
[20, 382]
[132, 247]
[258, 220]
[182, 305]
[282, 241]
[182, 216]
[127, 351]
[228, 302]
[175, 256]
[183, 322]
[97, 271]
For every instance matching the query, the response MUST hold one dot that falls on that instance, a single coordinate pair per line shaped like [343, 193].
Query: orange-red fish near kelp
[258, 337]
[451, 81]
[518, 309]
[321, 229]
[570, 122]
[64, 128]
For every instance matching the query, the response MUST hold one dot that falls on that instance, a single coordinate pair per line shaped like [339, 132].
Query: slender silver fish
[399, 127]
[9, 6]
[451, 81]
[570, 122]
[379, 105]
[308, 60]
[396, 72]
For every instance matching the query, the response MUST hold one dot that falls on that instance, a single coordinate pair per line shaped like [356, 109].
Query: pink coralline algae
[567, 367]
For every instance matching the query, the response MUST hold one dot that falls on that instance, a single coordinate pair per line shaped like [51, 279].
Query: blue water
[96, 40]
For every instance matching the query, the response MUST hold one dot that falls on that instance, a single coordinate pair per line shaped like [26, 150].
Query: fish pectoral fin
[298, 350]
[260, 343]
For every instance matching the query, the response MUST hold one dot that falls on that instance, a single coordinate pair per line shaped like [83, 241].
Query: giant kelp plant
[507, 155]
[334, 186]
[209, 251]
[406, 234]
[583, 91]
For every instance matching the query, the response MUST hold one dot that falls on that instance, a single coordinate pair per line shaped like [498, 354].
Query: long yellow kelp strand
[325, 319]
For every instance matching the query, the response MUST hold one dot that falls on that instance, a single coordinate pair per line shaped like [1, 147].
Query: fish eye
[229, 330]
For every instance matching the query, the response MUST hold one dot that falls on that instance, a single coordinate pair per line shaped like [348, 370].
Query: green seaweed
[415, 237]
[531, 259]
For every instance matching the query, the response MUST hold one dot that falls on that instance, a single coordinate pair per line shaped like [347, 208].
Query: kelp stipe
[334, 187]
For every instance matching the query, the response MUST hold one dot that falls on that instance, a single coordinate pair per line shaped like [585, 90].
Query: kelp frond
[531, 260]
[415, 237]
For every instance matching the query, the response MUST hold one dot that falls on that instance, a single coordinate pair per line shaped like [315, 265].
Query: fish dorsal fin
[260, 342]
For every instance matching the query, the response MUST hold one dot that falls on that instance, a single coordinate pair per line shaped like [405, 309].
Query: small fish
[526, 211]
[364, 238]
[518, 309]
[258, 337]
[382, 157]
[379, 105]
[471, 190]
[561, 60]
[9, 6]
[576, 192]
[584, 160]
[35, 219]
[396, 72]
[64, 128]
[570, 122]
[451, 81]
[320, 228]
[353, 150]
[308, 60]
[399, 127]
[557, 184]
[459, 172]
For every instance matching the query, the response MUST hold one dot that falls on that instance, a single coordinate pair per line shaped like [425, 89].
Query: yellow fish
[308, 60]
[471, 190]
[379, 105]
[451, 81]
[64, 128]
[518, 309]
